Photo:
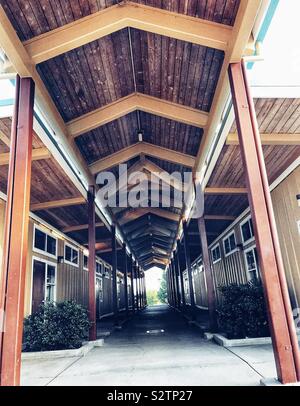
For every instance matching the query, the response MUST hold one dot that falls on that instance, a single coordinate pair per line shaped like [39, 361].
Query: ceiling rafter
[137, 149]
[141, 211]
[133, 102]
[269, 139]
[127, 14]
[58, 203]
[37, 154]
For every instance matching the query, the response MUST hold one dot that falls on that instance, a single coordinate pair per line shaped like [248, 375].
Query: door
[38, 284]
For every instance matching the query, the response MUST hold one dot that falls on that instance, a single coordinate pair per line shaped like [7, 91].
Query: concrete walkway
[157, 347]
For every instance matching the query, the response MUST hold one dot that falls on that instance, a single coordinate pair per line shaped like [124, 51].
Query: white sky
[281, 49]
[153, 278]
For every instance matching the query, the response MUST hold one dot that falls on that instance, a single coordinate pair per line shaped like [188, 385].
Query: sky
[153, 278]
[281, 49]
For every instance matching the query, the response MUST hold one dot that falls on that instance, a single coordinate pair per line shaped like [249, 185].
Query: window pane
[50, 274]
[50, 293]
[74, 256]
[40, 240]
[246, 231]
[68, 253]
[232, 242]
[250, 260]
[51, 245]
[227, 246]
[85, 261]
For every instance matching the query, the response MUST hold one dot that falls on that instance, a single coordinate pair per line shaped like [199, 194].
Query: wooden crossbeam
[4, 138]
[163, 175]
[225, 191]
[80, 227]
[58, 203]
[133, 102]
[269, 139]
[128, 14]
[37, 154]
[141, 211]
[145, 148]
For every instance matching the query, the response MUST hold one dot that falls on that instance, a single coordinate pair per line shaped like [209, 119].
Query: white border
[73, 248]
[241, 231]
[34, 258]
[37, 250]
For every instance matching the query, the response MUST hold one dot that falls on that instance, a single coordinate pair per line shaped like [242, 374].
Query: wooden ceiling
[141, 78]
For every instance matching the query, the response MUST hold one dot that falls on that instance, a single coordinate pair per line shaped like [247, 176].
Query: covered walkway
[141, 354]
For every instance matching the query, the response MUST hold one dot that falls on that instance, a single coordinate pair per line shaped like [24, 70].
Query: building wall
[232, 268]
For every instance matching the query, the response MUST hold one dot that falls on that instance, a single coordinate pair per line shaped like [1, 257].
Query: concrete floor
[176, 356]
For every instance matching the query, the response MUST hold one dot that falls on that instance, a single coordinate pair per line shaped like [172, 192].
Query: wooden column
[284, 338]
[177, 275]
[132, 282]
[180, 274]
[114, 272]
[173, 279]
[92, 263]
[188, 264]
[208, 276]
[168, 286]
[125, 278]
[16, 234]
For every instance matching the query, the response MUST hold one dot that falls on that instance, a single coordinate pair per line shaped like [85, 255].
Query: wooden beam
[133, 102]
[37, 154]
[163, 175]
[4, 138]
[219, 217]
[54, 204]
[225, 191]
[92, 263]
[141, 211]
[241, 34]
[145, 148]
[269, 139]
[128, 14]
[80, 227]
[13, 277]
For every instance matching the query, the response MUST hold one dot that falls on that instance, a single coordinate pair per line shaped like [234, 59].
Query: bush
[243, 312]
[58, 326]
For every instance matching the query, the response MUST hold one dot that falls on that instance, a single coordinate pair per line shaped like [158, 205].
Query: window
[251, 260]
[216, 254]
[229, 244]
[50, 286]
[71, 255]
[98, 268]
[85, 262]
[44, 243]
[43, 282]
[247, 230]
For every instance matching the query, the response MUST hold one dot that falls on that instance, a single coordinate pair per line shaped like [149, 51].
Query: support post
[208, 276]
[92, 263]
[132, 282]
[16, 235]
[126, 278]
[284, 338]
[176, 271]
[180, 274]
[114, 271]
[173, 281]
[188, 265]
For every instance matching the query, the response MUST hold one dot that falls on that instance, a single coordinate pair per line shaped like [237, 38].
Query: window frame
[246, 220]
[38, 250]
[74, 249]
[227, 238]
[212, 257]
[252, 248]
[46, 262]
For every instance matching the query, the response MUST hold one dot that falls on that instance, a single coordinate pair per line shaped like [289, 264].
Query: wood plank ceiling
[120, 64]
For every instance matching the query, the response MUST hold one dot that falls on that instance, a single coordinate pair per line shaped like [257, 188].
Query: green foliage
[58, 326]
[162, 293]
[152, 298]
[243, 312]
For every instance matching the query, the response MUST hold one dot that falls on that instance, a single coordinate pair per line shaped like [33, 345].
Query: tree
[152, 298]
[162, 293]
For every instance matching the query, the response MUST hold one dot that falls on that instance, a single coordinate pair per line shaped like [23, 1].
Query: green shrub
[243, 312]
[56, 327]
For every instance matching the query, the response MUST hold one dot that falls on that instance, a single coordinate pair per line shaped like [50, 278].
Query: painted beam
[37, 154]
[54, 204]
[225, 191]
[127, 14]
[80, 227]
[139, 212]
[218, 217]
[133, 102]
[137, 149]
[269, 139]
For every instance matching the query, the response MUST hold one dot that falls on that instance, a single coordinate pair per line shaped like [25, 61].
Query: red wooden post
[284, 338]
[177, 253]
[92, 263]
[114, 273]
[16, 234]
[208, 275]
[188, 264]
[126, 278]
[132, 282]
